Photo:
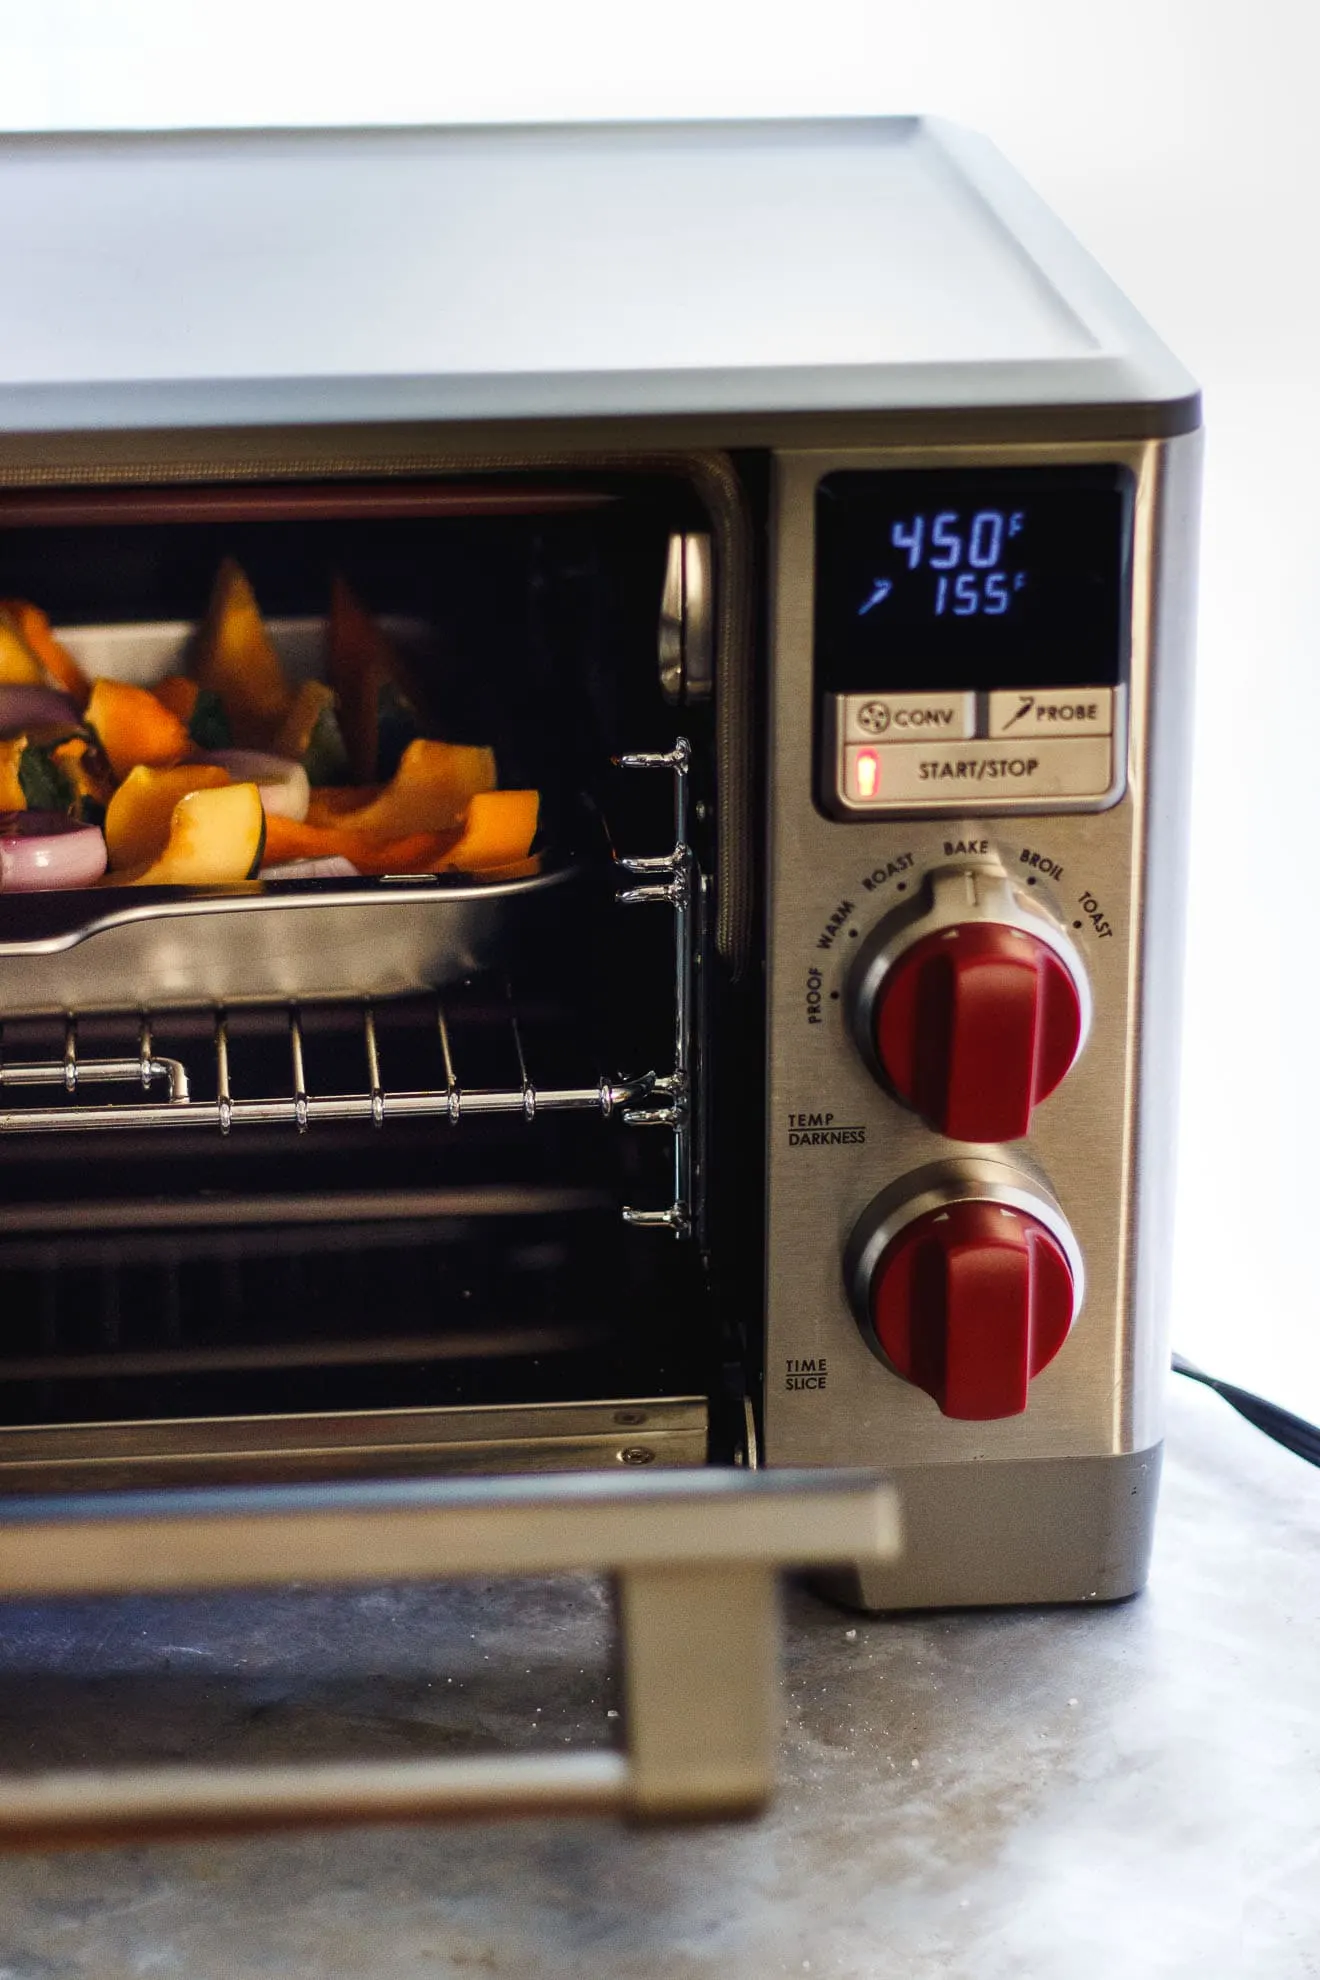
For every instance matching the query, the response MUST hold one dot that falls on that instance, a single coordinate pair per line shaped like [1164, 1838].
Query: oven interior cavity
[389, 1172]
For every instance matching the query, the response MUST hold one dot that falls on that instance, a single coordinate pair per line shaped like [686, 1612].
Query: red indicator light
[866, 772]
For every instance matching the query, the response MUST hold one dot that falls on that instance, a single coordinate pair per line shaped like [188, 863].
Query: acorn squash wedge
[137, 818]
[233, 656]
[133, 727]
[216, 837]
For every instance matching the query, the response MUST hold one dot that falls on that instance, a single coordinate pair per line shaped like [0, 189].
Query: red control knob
[970, 1302]
[975, 1006]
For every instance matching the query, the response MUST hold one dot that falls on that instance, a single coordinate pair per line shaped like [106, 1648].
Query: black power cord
[1293, 1432]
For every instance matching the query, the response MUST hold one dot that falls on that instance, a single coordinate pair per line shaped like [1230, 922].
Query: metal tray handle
[694, 1556]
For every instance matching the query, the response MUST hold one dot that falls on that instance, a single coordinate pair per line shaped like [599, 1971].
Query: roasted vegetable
[41, 849]
[137, 818]
[203, 780]
[415, 852]
[30, 780]
[497, 831]
[90, 778]
[133, 727]
[18, 662]
[22, 704]
[310, 735]
[377, 701]
[234, 657]
[333, 867]
[283, 785]
[429, 792]
[33, 627]
[199, 709]
[419, 852]
[335, 801]
[215, 838]
[496, 835]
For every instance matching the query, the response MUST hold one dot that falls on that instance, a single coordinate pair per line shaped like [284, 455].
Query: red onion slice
[328, 866]
[40, 849]
[285, 791]
[25, 706]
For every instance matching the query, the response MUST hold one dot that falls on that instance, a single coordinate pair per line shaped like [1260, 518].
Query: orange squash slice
[33, 628]
[133, 727]
[417, 852]
[497, 831]
[215, 838]
[234, 657]
[429, 792]
[137, 818]
[178, 693]
[89, 777]
[19, 665]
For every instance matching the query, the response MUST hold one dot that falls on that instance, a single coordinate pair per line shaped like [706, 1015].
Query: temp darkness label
[822, 1131]
[808, 1373]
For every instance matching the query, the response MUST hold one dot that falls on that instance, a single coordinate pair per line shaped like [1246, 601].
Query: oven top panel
[210, 278]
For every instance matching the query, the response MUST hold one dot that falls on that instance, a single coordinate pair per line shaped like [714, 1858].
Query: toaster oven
[800, 512]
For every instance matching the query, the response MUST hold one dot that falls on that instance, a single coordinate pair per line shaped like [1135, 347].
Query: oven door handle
[694, 1556]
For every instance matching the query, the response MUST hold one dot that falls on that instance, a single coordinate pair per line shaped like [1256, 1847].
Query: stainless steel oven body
[897, 1109]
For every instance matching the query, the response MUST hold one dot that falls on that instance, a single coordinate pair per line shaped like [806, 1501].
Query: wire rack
[167, 1098]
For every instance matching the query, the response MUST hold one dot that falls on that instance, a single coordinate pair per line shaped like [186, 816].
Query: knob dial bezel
[969, 1179]
[951, 897]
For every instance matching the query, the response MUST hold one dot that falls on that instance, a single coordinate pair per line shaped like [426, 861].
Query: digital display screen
[972, 578]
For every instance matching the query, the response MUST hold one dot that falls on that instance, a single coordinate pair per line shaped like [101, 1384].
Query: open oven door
[330, 1204]
[693, 1556]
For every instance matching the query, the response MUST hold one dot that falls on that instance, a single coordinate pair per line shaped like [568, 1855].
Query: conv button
[907, 717]
[1052, 712]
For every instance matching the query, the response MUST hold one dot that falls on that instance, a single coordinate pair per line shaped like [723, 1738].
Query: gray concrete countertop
[1131, 1790]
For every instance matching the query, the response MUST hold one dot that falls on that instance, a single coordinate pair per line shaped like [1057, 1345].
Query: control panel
[922, 751]
[953, 869]
[970, 644]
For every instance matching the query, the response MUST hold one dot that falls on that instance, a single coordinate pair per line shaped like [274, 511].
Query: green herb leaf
[325, 758]
[43, 783]
[209, 727]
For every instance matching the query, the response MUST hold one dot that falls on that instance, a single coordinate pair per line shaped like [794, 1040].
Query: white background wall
[1181, 141]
